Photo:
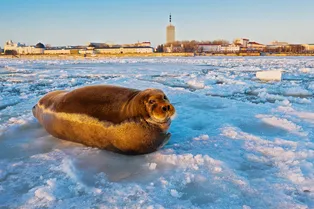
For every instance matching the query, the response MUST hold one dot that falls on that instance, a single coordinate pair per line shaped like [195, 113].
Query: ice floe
[237, 142]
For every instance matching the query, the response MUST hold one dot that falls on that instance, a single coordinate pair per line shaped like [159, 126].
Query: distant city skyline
[78, 22]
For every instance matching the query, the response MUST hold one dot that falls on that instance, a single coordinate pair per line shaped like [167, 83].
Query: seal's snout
[34, 110]
[170, 110]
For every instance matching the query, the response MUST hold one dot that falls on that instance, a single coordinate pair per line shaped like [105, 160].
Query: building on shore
[233, 48]
[145, 43]
[309, 47]
[279, 43]
[97, 45]
[10, 46]
[124, 50]
[271, 48]
[254, 46]
[243, 42]
[209, 48]
[112, 45]
[56, 51]
[110, 48]
[288, 48]
[91, 48]
[104, 48]
[170, 32]
[217, 48]
[19, 48]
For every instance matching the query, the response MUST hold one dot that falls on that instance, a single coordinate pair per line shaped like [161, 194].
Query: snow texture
[237, 142]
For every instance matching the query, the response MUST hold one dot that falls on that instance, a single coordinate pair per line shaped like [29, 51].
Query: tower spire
[170, 18]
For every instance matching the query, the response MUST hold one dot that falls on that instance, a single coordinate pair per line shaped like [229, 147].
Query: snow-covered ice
[237, 142]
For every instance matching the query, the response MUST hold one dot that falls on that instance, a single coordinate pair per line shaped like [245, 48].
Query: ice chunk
[259, 136]
[202, 137]
[152, 166]
[43, 193]
[307, 70]
[270, 75]
[174, 193]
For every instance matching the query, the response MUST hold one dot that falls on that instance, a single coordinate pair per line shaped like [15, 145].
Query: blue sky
[72, 22]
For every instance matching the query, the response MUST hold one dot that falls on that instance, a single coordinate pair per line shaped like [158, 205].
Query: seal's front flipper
[167, 138]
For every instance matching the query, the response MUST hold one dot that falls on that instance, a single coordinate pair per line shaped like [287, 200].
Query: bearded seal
[113, 118]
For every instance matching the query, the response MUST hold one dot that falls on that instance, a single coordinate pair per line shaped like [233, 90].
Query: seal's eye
[165, 98]
[151, 101]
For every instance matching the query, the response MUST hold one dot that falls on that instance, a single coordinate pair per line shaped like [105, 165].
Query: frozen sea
[236, 142]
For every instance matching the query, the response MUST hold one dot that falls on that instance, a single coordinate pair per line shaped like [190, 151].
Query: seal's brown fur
[109, 117]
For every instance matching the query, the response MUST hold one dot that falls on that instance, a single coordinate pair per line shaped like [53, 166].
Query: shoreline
[97, 56]
[100, 56]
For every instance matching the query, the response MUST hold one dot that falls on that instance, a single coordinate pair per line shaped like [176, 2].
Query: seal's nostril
[166, 108]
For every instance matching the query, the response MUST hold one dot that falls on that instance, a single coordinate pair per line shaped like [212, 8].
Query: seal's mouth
[164, 124]
[152, 119]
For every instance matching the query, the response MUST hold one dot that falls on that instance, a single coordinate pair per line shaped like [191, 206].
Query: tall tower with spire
[170, 32]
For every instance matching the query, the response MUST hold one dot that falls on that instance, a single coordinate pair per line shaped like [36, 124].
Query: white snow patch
[175, 193]
[281, 123]
[196, 84]
[201, 137]
[284, 142]
[152, 166]
[296, 91]
[45, 192]
[307, 116]
[17, 121]
[289, 162]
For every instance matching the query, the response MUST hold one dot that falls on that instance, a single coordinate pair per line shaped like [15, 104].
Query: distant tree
[160, 48]
[190, 46]
[303, 49]
[280, 49]
[10, 52]
[297, 48]
[205, 42]
[221, 42]
[167, 44]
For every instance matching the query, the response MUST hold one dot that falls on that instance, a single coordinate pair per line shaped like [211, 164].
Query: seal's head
[159, 108]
